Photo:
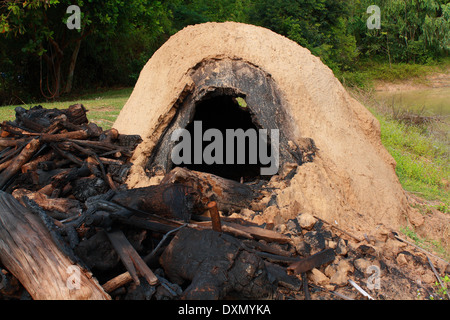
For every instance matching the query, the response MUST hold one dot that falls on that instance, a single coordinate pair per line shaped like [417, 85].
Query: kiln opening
[224, 140]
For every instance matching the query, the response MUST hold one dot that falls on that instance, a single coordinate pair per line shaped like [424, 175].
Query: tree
[319, 25]
[411, 31]
[42, 23]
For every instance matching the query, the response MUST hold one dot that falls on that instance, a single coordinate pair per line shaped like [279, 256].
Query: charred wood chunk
[62, 207]
[173, 201]
[87, 187]
[215, 265]
[38, 118]
[97, 252]
[130, 141]
[119, 173]
[76, 114]
[228, 194]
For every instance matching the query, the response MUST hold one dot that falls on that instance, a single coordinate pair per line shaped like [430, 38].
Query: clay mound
[351, 181]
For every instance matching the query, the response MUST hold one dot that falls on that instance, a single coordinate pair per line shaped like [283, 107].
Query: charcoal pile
[59, 154]
[68, 223]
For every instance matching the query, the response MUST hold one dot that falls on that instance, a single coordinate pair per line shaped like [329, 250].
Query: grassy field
[103, 107]
[421, 152]
[372, 71]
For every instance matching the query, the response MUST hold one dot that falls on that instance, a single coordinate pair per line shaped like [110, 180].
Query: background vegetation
[40, 58]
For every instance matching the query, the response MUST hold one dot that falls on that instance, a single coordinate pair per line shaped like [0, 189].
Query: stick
[148, 257]
[215, 216]
[67, 155]
[437, 276]
[361, 290]
[419, 248]
[305, 286]
[333, 226]
[19, 161]
[131, 259]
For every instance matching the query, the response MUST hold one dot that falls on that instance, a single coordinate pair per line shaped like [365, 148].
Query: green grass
[424, 243]
[103, 107]
[371, 71]
[422, 160]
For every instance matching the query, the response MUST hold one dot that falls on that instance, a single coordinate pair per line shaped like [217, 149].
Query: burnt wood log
[249, 232]
[130, 258]
[216, 265]
[80, 134]
[29, 253]
[19, 161]
[175, 201]
[64, 177]
[33, 165]
[58, 208]
[228, 194]
[312, 262]
[11, 142]
[39, 119]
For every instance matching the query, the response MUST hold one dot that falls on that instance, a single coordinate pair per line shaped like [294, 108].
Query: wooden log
[215, 216]
[173, 201]
[29, 253]
[215, 264]
[130, 258]
[65, 206]
[228, 194]
[15, 130]
[80, 134]
[117, 282]
[33, 165]
[311, 262]
[19, 161]
[11, 142]
[10, 153]
[5, 164]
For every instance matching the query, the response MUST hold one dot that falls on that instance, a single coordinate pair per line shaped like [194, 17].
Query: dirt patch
[382, 263]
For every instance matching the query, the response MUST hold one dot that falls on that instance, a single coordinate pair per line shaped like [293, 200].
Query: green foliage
[425, 243]
[411, 31]
[119, 36]
[108, 27]
[422, 162]
[321, 26]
